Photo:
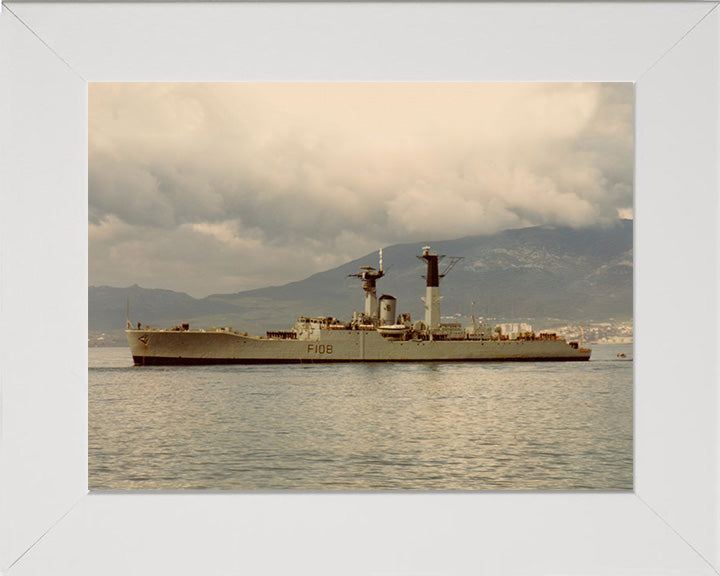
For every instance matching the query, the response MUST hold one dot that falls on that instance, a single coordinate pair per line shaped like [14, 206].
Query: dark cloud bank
[210, 188]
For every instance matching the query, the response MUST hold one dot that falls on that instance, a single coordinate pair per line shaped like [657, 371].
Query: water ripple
[546, 426]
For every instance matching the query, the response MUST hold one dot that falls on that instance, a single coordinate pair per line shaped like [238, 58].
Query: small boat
[398, 331]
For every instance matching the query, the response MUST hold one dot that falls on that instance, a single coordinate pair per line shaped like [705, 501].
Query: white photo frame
[49, 523]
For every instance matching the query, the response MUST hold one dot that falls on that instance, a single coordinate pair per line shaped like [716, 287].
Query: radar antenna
[369, 276]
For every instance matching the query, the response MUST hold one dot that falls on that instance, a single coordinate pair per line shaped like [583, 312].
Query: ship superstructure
[378, 334]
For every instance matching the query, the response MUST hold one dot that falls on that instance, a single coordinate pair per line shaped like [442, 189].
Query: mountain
[542, 274]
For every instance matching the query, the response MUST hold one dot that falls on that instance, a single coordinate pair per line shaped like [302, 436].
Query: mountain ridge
[535, 273]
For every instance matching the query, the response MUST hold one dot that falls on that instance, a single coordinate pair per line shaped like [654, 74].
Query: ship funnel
[388, 306]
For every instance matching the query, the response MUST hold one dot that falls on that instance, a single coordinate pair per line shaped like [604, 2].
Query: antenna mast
[432, 289]
[369, 276]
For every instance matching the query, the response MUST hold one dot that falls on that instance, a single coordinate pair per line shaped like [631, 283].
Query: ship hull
[167, 347]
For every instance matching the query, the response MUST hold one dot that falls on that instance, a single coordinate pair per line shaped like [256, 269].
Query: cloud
[222, 187]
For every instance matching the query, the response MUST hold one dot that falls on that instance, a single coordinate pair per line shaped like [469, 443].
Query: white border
[48, 522]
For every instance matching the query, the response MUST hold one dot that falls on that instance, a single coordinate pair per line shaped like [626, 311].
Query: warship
[375, 335]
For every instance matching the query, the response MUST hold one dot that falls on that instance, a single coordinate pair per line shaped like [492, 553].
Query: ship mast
[432, 290]
[370, 276]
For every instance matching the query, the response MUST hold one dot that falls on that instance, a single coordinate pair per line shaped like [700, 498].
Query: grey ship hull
[188, 347]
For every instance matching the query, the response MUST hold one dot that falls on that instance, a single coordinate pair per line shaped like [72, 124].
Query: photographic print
[360, 286]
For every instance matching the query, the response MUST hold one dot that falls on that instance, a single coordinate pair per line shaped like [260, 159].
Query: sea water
[394, 426]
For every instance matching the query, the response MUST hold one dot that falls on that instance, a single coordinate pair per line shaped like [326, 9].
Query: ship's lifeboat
[394, 331]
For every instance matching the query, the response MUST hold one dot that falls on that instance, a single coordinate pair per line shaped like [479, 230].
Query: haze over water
[434, 426]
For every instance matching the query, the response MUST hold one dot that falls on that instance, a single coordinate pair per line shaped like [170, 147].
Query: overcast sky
[218, 188]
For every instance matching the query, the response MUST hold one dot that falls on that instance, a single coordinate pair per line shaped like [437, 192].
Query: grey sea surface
[394, 426]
